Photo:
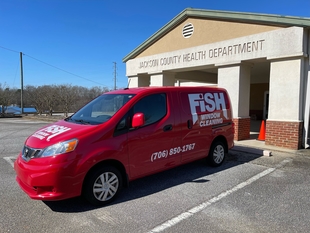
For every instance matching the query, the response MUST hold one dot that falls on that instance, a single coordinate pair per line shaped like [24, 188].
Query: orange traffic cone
[262, 132]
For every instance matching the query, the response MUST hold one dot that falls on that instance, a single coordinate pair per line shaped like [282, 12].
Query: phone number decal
[172, 151]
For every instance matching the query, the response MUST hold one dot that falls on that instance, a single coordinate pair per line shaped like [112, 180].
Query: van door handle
[189, 124]
[167, 128]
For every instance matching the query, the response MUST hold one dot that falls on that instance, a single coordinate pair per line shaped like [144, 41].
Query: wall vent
[188, 30]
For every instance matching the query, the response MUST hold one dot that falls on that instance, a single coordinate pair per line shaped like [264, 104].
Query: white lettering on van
[207, 103]
[172, 151]
[50, 132]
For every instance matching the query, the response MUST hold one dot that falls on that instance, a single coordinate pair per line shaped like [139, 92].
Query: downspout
[307, 101]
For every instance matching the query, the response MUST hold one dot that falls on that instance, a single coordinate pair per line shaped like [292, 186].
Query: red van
[123, 135]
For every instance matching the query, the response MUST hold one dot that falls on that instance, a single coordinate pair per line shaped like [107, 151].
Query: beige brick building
[262, 60]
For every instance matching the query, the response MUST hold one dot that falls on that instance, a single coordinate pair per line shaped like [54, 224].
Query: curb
[268, 151]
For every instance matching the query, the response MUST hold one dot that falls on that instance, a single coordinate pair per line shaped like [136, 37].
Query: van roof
[137, 90]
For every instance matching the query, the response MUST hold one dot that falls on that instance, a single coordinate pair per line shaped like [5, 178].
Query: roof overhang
[253, 18]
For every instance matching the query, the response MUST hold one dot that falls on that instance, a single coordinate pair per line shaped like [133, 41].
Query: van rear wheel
[217, 154]
[102, 185]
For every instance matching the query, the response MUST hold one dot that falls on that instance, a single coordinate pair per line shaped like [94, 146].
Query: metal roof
[253, 18]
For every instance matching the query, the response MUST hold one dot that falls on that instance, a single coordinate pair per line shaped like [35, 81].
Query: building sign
[230, 50]
[272, 44]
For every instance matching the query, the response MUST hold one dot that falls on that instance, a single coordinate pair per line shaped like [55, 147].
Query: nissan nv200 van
[124, 135]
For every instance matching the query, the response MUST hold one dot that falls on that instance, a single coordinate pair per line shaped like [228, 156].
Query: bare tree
[96, 91]
[6, 97]
[50, 98]
[32, 96]
[49, 94]
[84, 95]
[67, 96]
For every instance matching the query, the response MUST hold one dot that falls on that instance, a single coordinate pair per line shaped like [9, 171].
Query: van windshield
[100, 109]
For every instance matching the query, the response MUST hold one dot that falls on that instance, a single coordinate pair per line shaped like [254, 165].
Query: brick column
[284, 134]
[284, 126]
[242, 128]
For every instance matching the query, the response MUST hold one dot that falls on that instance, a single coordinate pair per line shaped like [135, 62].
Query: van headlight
[59, 148]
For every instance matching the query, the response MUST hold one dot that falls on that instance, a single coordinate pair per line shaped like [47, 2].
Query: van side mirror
[138, 120]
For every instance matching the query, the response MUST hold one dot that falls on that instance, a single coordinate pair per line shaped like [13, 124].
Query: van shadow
[194, 172]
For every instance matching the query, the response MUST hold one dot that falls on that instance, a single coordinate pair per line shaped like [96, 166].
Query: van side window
[153, 106]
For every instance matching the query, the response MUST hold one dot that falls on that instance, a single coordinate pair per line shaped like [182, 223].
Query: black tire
[217, 154]
[102, 185]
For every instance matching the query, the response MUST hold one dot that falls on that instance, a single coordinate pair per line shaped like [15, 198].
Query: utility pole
[21, 83]
[114, 75]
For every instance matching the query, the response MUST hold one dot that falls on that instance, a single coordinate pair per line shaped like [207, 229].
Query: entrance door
[266, 105]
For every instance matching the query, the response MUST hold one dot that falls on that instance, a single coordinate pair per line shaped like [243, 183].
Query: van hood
[57, 132]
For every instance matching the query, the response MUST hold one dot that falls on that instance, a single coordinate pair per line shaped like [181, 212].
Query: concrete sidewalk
[255, 146]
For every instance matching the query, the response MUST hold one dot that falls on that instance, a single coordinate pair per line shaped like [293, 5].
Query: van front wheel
[217, 154]
[102, 185]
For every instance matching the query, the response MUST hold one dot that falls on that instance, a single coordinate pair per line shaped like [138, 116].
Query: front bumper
[42, 180]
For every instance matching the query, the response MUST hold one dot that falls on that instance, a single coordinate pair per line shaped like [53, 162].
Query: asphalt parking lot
[249, 193]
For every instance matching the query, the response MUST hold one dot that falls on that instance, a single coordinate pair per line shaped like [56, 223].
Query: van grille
[29, 153]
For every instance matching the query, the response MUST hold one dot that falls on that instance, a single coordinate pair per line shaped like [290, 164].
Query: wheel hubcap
[218, 154]
[105, 186]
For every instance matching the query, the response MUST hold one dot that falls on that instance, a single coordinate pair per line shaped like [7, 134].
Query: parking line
[10, 160]
[174, 221]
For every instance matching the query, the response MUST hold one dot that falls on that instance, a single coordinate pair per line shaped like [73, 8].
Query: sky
[83, 42]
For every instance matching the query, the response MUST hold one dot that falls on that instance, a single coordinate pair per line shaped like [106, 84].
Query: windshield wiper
[68, 118]
[82, 121]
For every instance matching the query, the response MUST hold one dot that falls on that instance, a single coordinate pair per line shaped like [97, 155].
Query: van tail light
[233, 127]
